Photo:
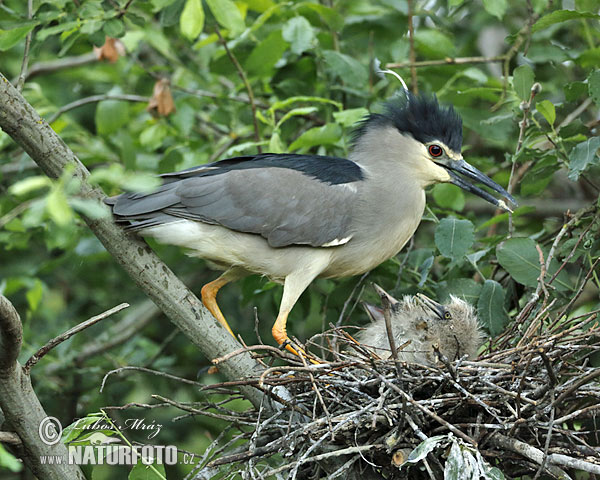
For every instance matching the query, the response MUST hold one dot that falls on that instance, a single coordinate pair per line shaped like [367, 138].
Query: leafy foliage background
[308, 66]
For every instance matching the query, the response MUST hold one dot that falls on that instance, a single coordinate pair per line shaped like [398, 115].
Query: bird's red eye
[435, 150]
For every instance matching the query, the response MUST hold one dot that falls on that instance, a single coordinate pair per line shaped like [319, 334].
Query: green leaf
[434, 43]
[559, 16]
[111, 115]
[424, 270]
[325, 135]
[349, 117]
[583, 155]
[294, 112]
[594, 86]
[454, 237]
[29, 184]
[58, 208]
[331, 17]
[114, 28]
[9, 461]
[275, 144]
[546, 108]
[90, 208]
[424, 448]
[228, 15]
[300, 34]
[497, 8]
[34, 295]
[191, 21]
[9, 38]
[455, 3]
[465, 288]
[490, 307]
[266, 54]
[351, 71]
[522, 81]
[520, 258]
[447, 195]
[153, 136]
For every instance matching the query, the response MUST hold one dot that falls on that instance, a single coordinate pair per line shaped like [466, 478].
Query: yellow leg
[280, 334]
[209, 295]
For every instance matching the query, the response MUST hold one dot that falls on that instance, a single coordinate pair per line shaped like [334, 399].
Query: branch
[11, 335]
[21, 407]
[35, 358]
[527, 451]
[412, 55]
[20, 121]
[22, 75]
[447, 61]
[61, 64]
[94, 99]
[244, 78]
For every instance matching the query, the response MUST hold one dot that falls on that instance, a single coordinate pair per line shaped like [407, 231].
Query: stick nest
[524, 410]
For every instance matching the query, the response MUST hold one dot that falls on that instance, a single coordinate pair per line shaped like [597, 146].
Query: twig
[60, 64]
[120, 332]
[512, 180]
[412, 54]
[23, 74]
[10, 437]
[528, 451]
[148, 370]
[581, 287]
[428, 412]
[244, 79]
[250, 348]
[447, 61]
[37, 356]
[94, 99]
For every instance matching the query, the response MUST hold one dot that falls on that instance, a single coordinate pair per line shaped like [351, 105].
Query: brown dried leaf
[161, 104]
[111, 50]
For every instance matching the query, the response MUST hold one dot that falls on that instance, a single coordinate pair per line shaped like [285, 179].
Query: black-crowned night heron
[452, 329]
[297, 217]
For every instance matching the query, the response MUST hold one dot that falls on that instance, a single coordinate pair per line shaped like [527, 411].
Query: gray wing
[283, 205]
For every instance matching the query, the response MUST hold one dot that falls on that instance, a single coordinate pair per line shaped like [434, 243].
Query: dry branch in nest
[527, 410]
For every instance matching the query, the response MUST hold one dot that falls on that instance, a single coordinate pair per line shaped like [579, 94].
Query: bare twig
[412, 54]
[244, 79]
[52, 66]
[36, 357]
[152, 372]
[447, 61]
[24, 64]
[94, 99]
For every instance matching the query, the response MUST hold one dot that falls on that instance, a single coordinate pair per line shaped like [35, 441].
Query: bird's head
[428, 138]
[456, 326]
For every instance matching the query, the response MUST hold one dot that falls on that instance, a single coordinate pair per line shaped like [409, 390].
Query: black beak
[456, 167]
[436, 308]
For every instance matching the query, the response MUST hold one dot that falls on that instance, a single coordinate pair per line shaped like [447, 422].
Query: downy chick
[451, 328]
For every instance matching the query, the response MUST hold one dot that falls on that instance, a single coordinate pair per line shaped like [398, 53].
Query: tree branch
[244, 79]
[35, 358]
[21, 122]
[94, 99]
[60, 64]
[21, 407]
[447, 61]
